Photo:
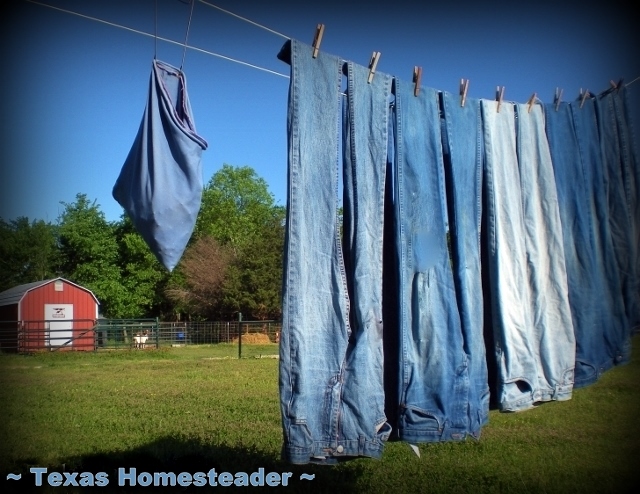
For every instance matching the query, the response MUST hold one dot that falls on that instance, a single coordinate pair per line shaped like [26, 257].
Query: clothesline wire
[137, 31]
[207, 52]
[289, 37]
[186, 36]
[245, 19]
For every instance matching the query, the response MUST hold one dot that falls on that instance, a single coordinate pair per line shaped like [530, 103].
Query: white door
[59, 323]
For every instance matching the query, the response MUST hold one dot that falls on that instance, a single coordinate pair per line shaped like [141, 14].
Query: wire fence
[124, 334]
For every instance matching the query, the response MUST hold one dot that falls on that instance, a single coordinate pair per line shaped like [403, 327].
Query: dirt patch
[254, 339]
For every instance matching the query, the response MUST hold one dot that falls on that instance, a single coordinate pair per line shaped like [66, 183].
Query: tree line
[232, 264]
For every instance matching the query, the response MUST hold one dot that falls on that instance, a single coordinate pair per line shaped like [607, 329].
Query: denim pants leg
[365, 159]
[509, 286]
[634, 164]
[552, 330]
[464, 156]
[577, 214]
[433, 381]
[533, 332]
[630, 174]
[619, 213]
[322, 422]
[609, 290]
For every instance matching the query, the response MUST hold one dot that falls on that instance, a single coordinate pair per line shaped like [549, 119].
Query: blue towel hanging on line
[160, 184]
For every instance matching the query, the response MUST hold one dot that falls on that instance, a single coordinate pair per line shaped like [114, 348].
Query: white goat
[140, 339]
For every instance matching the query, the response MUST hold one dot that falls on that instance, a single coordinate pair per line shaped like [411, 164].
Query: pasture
[193, 408]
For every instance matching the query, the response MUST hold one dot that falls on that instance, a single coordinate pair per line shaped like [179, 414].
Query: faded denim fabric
[617, 190]
[533, 330]
[509, 285]
[331, 389]
[434, 380]
[609, 290]
[160, 184]
[574, 183]
[464, 156]
[365, 134]
[552, 323]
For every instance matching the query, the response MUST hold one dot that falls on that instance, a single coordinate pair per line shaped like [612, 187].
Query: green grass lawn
[191, 409]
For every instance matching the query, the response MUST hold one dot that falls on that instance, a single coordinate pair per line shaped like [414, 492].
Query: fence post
[239, 335]
[157, 332]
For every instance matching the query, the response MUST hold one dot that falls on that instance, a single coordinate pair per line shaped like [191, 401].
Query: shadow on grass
[176, 455]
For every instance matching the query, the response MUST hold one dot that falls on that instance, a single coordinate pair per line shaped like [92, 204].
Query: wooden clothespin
[499, 96]
[417, 77]
[531, 101]
[317, 39]
[558, 97]
[617, 85]
[464, 86]
[372, 65]
[584, 96]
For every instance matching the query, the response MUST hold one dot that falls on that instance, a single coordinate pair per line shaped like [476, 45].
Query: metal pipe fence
[211, 332]
[117, 334]
[33, 336]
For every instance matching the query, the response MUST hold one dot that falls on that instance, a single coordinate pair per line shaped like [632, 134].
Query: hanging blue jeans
[631, 176]
[617, 182]
[578, 216]
[507, 250]
[609, 291]
[533, 330]
[365, 147]
[634, 164]
[464, 155]
[160, 184]
[434, 380]
[553, 330]
[331, 367]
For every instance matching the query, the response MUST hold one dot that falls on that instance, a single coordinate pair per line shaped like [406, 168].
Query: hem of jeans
[322, 452]
[581, 382]
[426, 436]
[623, 361]
[476, 432]
[561, 393]
[623, 356]
[480, 419]
[475, 435]
[592, 379]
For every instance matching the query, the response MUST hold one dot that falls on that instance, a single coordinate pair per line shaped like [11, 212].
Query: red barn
[48, 315]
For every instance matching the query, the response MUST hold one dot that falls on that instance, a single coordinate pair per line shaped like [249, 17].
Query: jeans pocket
[417, 419]
[583, 372]
[383, 430]
[299, 436]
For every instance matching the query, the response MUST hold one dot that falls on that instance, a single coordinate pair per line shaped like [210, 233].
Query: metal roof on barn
[15, 295]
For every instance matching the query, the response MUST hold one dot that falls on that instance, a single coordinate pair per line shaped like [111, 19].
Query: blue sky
[75, 89]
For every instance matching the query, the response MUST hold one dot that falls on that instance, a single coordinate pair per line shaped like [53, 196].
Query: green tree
[236, 203]
[253, 283]
[240, 213]
[89, 254]
[143, 277]
[28, 252]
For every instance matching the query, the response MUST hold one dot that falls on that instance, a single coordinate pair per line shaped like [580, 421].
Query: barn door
[59, 323]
